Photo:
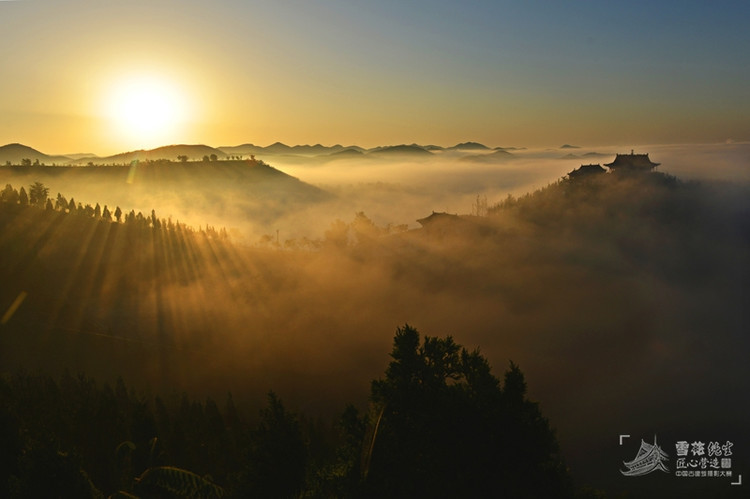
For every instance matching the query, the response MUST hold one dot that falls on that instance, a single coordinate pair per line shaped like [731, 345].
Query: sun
[147, 110]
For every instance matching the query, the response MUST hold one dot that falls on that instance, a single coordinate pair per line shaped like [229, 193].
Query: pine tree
[446, 427]
[38, 194]
[23, 198]
[61, 203]
[9, 195]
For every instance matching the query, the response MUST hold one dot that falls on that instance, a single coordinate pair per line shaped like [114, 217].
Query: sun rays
[147, 109]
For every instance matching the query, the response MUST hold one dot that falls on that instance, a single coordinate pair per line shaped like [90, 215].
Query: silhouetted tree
[364, 228]
[26, 162]
[46, 472]
[106, 215]
[154, 221]
[277, 456]
[338, 234]
[38, 194]
[182, 158]
[9, 195]
[23, 198]
[72, 205]
[61, 204]
[97, 211]
[340, 475]
[206, 159]
[118, 214]
[213, 157]
[446, 428]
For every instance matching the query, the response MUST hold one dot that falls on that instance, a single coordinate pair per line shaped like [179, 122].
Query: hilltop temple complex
[586, 171]
[624, 163]
[632, 162]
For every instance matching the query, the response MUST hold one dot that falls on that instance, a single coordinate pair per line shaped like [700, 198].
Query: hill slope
[192, 151]
[231, 193]
[15, 153]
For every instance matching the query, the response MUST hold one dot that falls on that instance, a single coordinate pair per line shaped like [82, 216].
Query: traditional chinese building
[632, 163]
[586, 171]
[438, 219]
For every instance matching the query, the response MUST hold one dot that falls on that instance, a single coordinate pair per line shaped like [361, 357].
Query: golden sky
[370, 73]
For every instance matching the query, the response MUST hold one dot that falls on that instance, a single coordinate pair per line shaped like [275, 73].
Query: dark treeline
[38, 196]
[439, 425]
[232, 193]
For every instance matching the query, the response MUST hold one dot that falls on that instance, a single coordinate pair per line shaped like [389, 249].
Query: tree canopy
[447, 428]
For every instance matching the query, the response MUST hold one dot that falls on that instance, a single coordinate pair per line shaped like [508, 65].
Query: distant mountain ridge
[15, 153]
[281, 148]
[469, 146]
[499, 154]
[172, 152]
[410, 150]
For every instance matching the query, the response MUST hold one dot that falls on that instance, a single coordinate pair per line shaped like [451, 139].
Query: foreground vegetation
[439, 425]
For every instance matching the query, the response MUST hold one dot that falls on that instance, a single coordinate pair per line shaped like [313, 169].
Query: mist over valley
[621, 297]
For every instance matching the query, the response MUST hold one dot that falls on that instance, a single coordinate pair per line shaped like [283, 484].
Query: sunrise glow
[146, 110]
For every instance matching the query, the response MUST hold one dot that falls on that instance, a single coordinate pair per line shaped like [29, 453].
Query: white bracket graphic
[623, 436]
[738, 482]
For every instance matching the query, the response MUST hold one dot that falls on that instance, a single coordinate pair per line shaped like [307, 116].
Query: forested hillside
[622, 297]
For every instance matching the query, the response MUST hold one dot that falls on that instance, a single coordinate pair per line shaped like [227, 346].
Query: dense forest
[434, 429]
[621, 296]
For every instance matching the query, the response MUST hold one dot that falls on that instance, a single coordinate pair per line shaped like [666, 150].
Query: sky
[504, 73]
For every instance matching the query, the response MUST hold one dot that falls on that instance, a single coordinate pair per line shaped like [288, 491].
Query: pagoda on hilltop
[632, 163]
[586, 171]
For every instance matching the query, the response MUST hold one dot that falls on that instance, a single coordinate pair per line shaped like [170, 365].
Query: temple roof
[632, 161]
[438, 217]
[586, 170]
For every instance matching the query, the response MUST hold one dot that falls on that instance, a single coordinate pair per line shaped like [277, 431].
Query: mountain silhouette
[15, 153]
[81, 155]
[193, 152]
[401, 150]
[242, 150]
[469, 146]
[498, 155]
[278, 148]
[316, 150]
[586, 155]
[196, 152]
[348, 152]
